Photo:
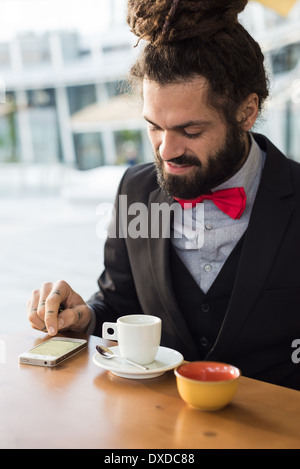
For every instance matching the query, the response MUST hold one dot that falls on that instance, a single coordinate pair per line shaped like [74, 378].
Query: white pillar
[109, 147]
[23, 117]
[108, 140]
[62, 103]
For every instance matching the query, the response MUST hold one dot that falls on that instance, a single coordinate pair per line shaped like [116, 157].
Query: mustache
[181, 160]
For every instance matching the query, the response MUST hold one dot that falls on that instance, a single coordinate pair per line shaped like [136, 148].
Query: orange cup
[207, 385]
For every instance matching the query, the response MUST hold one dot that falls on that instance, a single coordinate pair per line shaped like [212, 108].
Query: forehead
[173, 103]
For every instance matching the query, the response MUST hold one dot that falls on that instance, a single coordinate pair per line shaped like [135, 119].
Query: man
[234, 296]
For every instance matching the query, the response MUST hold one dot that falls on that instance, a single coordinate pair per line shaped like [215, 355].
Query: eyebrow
[191, 123]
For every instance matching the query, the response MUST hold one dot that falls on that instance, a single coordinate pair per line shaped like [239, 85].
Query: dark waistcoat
[204, 313]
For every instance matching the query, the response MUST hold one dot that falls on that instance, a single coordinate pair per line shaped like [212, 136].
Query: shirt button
[204, 341]
[208, 226]
[205, 307]
[207, 267]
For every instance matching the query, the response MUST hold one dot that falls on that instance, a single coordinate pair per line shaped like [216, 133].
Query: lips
[178, 165]
[176, 168]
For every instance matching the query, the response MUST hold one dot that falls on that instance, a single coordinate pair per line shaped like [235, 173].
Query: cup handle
[109, 331]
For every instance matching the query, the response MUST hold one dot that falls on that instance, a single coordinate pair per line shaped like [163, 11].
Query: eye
[153, 128]
[191, 135]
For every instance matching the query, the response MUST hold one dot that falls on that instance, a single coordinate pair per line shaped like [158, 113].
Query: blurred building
[48, 79]
[279, 37]
[63, 104]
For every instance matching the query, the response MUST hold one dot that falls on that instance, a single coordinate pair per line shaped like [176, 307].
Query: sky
[89, 16]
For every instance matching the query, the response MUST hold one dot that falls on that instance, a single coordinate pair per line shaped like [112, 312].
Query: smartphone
[53, 351]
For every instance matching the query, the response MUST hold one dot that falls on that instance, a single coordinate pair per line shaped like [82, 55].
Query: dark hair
[188, 38]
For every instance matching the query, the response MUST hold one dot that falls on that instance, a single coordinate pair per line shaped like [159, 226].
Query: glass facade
[51, 77]
[89, 152]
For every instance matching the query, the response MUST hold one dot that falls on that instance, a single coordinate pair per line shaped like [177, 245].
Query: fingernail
[51, 330]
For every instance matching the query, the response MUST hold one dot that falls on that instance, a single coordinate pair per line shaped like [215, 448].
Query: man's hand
[56, 306]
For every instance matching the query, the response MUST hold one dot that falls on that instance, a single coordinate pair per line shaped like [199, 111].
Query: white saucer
[165, 360]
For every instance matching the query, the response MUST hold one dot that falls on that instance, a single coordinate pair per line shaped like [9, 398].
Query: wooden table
[79, 405]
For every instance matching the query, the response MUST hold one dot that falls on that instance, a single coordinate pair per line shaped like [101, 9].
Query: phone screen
[54, 348]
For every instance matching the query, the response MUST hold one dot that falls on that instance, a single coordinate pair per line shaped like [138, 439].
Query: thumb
[76, 318]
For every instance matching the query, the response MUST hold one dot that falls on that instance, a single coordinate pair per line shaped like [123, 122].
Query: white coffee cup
[138, 336]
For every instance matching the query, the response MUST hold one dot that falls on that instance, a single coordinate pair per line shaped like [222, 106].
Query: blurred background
[67, 133]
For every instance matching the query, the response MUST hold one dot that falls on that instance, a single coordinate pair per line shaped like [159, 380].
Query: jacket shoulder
[139, 179]
[295, 166]
[295, 171]
[282, 172]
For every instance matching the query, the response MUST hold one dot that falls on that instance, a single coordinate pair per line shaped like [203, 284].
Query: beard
[218, 168]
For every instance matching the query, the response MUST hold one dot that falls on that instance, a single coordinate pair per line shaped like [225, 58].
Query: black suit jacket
[263, 316]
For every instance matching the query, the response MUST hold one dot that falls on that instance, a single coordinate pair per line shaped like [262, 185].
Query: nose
[171, 146]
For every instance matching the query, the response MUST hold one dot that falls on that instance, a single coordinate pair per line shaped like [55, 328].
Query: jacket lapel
[159, 254]
[270, 216]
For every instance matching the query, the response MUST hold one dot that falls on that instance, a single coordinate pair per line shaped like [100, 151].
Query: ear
[248, 111]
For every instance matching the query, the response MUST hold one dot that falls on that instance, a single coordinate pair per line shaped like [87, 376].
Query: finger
[41, 308]
[67, 318]
[44, 293]
[58, 294]
[74, 318]
[32, 307]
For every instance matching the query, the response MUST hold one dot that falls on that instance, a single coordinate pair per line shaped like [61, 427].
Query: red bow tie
[230, 201]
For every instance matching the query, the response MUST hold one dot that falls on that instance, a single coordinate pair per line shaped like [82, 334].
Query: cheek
[202, 149]
[209, 144]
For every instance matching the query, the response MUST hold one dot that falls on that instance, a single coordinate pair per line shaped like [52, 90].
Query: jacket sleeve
[117, 294]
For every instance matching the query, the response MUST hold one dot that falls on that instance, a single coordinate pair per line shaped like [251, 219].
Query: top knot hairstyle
[166, 21]
[189, 38]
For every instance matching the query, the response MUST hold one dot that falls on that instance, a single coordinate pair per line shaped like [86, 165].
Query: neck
[247, 141]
